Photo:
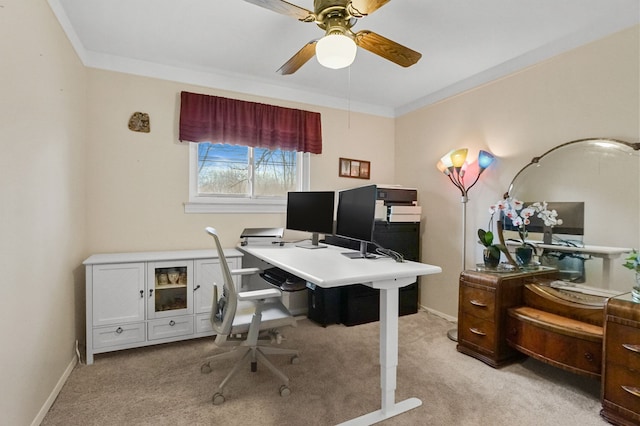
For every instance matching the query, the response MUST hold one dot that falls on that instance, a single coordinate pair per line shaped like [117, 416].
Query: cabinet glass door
[169, 288]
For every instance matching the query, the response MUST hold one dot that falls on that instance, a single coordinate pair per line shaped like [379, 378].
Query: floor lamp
[453, 165]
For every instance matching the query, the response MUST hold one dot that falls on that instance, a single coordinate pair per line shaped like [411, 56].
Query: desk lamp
[454, 165]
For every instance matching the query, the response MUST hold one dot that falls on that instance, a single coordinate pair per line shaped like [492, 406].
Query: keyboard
[284, 280]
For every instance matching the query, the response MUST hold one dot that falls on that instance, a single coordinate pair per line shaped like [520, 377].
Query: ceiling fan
[337, 49]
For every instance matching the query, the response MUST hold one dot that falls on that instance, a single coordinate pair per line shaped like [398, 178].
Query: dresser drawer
[170, 327]
[622, 346]
[565, 351]
[477, 331]
[117, 335]
[478, 302]
[622, 386]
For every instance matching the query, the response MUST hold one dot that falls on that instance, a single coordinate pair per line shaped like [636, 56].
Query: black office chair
[242, 320]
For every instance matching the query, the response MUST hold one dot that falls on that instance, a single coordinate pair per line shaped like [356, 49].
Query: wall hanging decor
[360, 169]
[139, 122]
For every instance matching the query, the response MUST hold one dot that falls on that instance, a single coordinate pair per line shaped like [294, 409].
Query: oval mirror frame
[603, 173]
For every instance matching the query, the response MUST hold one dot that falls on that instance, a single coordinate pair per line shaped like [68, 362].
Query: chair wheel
[205, 368]
[295, 359]
[284, 390]
[218, 398]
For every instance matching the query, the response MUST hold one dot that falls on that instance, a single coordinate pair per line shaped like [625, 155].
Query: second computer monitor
[311, 211]
[356, 216]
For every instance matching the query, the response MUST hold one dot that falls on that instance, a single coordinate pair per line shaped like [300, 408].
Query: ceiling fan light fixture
[336, 51]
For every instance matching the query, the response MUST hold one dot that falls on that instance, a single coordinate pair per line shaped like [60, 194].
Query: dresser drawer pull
[633, 390]
[119, 330]
[632, 348]
[478, 303]
[478, 332]
[172, 323]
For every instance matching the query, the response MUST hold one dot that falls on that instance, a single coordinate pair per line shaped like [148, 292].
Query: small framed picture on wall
[359, 169]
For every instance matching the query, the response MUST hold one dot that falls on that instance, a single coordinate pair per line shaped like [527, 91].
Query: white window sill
[236, 206]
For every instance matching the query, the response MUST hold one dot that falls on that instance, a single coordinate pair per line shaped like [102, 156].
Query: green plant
[632, 262]
[486, 239]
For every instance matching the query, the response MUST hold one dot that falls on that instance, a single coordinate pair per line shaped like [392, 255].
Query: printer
[395, 203]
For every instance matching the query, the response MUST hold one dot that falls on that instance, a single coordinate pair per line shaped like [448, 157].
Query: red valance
[205, 118]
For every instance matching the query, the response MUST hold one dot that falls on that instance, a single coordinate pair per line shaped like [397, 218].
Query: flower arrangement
[520, 216]
[633, 262]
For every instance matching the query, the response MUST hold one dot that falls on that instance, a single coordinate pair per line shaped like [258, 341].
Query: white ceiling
[238, 46]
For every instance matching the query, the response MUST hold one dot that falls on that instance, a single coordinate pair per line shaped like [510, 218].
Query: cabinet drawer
[622, 387]
[170, 327]
[118, 335]
[479, 332]
[623, 346]
[203, 324]
[478, 302]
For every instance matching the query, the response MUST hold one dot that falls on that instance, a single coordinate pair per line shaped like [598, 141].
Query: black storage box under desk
[324, 304]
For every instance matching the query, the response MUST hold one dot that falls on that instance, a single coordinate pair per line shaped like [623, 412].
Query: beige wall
[138, 182]
[76, 181]
[42, 212]
[592, 91]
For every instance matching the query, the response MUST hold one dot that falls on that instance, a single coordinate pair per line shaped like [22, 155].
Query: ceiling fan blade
[285, 8]
[386, 48]
[299, 59]
[360, 8]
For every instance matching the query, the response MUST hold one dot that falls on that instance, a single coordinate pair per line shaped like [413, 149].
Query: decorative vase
[635, 292]
[490, 261]
[523, 255]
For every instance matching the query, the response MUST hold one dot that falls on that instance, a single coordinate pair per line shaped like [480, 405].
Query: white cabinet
[140, 299]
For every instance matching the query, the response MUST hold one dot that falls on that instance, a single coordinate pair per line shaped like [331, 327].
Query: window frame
[234, 204]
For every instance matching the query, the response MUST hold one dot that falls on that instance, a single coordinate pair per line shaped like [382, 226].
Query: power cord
[398, 257]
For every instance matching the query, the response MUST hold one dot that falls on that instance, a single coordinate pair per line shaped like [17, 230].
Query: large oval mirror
[599, 179]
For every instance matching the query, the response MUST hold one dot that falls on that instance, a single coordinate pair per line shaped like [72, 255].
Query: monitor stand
[314, 244]
[362, 254]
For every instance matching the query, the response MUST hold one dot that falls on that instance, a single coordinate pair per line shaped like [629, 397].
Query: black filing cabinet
[360, 304]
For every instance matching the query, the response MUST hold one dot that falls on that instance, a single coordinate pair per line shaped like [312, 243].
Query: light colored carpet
[337, 379]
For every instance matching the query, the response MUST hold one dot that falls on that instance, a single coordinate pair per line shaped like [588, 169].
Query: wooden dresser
[484, 299]
[621, 363]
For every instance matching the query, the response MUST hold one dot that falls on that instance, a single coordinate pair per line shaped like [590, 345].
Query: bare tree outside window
[229, 170]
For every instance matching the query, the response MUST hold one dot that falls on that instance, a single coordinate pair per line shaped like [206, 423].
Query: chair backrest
[223, 309]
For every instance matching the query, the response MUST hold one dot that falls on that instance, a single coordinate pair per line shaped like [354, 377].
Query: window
[235, 179]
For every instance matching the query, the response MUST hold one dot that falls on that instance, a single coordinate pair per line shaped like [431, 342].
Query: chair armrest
[245, 271]
[259, 294]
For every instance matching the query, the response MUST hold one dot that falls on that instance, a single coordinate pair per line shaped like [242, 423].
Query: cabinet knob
[119, 330]
[141, 294]
[172, 323]
[588, 356]
[197, 287]
[150, 292]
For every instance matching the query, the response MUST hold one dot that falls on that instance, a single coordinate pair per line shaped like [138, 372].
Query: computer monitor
[355, 219]
[311, 211]
[571, 213]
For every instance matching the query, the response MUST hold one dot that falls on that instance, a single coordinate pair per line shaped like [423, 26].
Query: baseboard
[439, 314]
[54, 393]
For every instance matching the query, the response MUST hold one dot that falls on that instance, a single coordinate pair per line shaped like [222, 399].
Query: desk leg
[606, 272]
[388, 363]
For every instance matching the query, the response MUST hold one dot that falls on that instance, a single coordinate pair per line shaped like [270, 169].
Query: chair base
[255, 353]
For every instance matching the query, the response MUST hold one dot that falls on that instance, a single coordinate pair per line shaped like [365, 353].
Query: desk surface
[327, 267]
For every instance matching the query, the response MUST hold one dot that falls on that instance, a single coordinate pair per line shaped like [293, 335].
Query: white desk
[606, 253]
[327, 268]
